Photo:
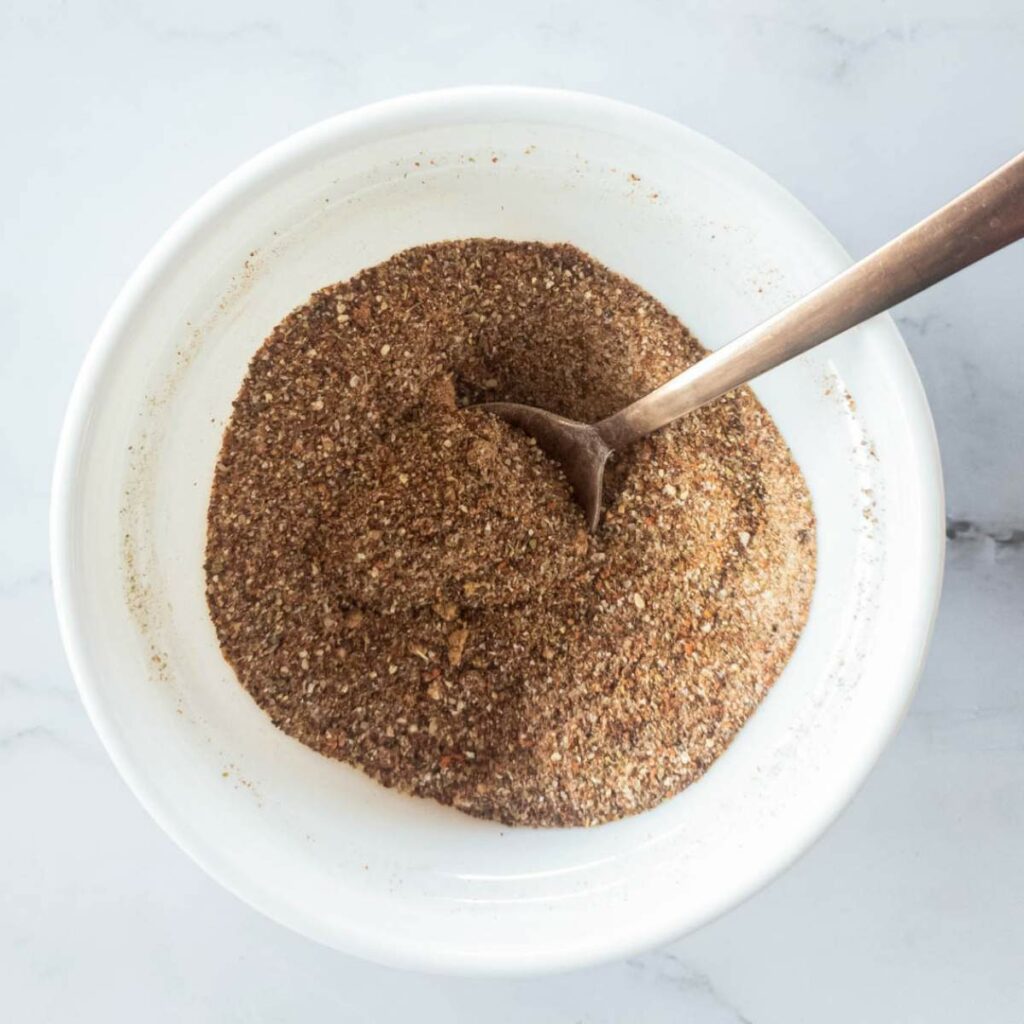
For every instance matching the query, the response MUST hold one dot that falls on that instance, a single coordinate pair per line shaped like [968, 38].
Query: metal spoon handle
[983, 219]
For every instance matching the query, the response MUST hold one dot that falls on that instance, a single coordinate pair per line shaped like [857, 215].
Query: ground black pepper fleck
[407, 585]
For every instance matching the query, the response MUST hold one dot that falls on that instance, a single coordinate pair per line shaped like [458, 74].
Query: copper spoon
[982, 220]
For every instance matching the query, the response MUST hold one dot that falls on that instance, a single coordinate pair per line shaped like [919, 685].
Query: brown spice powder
[407, 585]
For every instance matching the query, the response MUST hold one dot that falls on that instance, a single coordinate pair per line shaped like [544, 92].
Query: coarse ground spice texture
[406, 584]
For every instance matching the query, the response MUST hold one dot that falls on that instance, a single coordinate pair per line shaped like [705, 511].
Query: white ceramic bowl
[314, 843]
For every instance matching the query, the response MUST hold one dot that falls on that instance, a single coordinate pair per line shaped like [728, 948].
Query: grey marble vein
[669, 968]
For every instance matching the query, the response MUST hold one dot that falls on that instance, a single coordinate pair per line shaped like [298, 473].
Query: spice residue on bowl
[407, 585]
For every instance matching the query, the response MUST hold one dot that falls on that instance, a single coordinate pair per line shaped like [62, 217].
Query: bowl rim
[378, 120]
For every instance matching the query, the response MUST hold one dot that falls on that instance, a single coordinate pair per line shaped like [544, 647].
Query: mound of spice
[407, 585]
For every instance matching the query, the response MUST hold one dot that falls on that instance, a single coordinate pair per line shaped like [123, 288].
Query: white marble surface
[117, 115]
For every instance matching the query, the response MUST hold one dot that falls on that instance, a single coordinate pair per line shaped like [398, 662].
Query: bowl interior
[314, 843]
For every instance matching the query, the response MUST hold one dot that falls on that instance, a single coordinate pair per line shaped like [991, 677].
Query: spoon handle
[983, 219]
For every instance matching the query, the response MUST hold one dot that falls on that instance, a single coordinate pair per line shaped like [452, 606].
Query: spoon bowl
[577, 447]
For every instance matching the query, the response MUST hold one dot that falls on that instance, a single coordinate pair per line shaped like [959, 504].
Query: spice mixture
[406, 584]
